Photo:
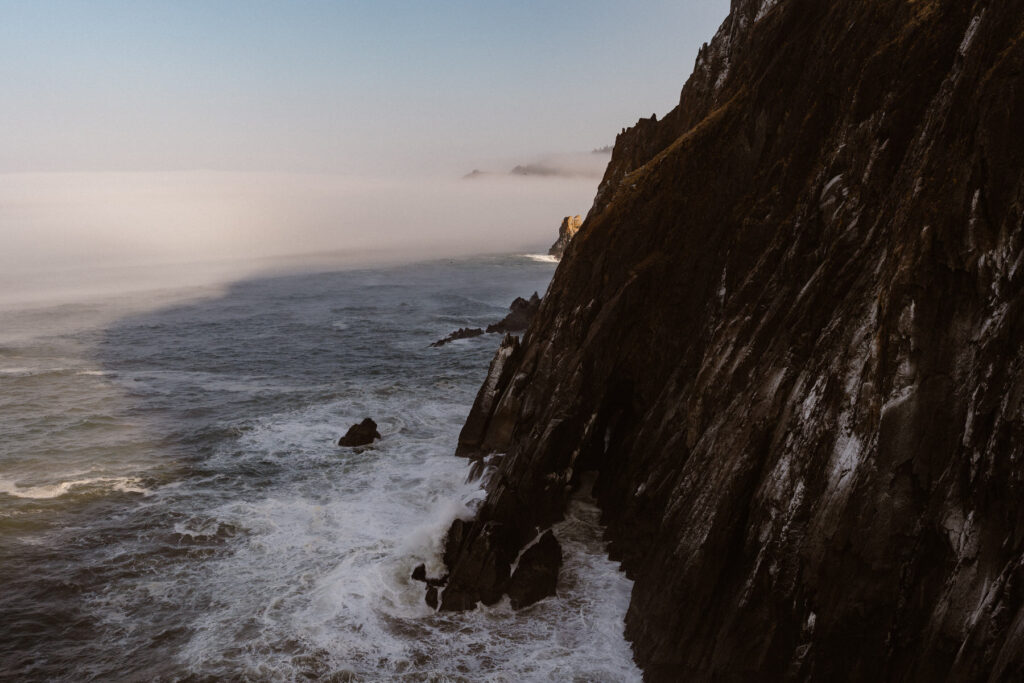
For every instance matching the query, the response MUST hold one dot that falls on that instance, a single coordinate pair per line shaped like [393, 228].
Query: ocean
[174, 507]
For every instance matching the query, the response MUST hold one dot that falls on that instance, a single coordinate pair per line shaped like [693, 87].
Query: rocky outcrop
[360, 434]
[461, 333]
[520, 313]
[570, 226]
[789, 342]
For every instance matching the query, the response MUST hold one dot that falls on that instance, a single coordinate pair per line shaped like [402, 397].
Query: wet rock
[482, 467]
[419, 573]
[570, 226]
[431, 597]
[485, 555]
[790, 348]
[360, 434]
[536, 575]
[482, 432]
[520, 314]
[461, 333]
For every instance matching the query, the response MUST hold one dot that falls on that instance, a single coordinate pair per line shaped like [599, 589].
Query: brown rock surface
[570, 226]
[520, 314]
[790, 341]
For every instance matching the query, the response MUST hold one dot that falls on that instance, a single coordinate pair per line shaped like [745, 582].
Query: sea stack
[790, 349]
[570, 226]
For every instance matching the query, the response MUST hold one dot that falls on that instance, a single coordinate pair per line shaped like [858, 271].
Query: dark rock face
[520, 314]
[419, 573]
[790, 342]
[461, 333]
[536, 575]
[360, 434]
[570, 226]
[487, 428]
[485, 553]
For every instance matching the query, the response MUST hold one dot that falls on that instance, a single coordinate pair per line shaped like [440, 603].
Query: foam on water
[259, 549]
[123, 484]
[542, 258]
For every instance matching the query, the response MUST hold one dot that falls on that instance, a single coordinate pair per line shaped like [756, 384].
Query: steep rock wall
[789, 338]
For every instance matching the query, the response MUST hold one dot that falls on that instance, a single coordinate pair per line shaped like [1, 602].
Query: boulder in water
[360, 434]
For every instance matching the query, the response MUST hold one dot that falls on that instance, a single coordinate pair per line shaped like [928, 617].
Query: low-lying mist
[74, 232]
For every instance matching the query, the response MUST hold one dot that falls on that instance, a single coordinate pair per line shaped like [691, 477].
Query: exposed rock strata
[790, 341]
[570, 226]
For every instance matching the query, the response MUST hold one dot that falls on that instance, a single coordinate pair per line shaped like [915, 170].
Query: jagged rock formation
[461, 333]
[520, 313]
[570, 226]
[790, 342]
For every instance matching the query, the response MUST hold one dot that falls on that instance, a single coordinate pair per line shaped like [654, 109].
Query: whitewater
[174, 507]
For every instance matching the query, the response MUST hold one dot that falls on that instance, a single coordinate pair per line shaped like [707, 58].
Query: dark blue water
[173, 505]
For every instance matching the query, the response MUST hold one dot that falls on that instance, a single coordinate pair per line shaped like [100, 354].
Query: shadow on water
[240, 397]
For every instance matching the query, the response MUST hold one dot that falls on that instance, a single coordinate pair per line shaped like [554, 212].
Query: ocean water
[173, 505]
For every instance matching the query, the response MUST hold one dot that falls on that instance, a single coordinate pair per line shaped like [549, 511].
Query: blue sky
[382, 87]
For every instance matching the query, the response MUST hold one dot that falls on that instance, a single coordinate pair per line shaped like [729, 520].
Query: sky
[383, 86]
[202, 129]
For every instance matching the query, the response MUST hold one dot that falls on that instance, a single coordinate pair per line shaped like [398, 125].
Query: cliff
[789, 339]
[570, 226]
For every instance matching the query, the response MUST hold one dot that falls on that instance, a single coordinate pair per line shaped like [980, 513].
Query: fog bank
[62, 227]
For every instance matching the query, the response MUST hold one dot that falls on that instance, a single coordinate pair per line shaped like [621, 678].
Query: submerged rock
[536, 575]
[360, 434]
[570, 226]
